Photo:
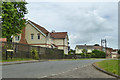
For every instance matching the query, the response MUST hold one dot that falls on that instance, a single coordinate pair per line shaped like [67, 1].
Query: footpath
[19, 62]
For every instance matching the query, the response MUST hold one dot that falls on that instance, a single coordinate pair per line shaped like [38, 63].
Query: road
[44, 69]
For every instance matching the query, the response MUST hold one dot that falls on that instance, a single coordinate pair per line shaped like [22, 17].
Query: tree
[71, 52]
[119, 51]
[13, 18]
[84, 51]
[96, 45]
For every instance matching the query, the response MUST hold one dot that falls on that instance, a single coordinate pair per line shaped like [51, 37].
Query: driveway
[48, 68]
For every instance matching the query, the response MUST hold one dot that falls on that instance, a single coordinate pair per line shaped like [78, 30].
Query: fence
[24, 51]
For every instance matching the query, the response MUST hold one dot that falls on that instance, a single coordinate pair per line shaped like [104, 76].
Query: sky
[85, 22]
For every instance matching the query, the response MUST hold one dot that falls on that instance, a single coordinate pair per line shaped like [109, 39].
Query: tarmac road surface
[51, 68]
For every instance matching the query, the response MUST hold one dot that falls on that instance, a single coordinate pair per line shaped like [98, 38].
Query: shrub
[88, 55]
[119, 57]
[93, 55]
[99, 54]
[34, 54]
[71, 52]
[82, 54]
[114, 72]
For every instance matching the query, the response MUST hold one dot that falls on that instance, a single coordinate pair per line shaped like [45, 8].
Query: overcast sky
[85, 22]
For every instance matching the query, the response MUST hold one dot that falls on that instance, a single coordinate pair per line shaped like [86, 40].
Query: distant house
[114, 54]
[36, 35]
[110, 52]
[89, 48]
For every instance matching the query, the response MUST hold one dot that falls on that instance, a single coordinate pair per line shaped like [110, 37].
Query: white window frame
[38, 35]
[32, 36]
[17, 38]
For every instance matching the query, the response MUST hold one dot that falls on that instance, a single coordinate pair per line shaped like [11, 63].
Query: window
[38, 36]
[17, 38]
[32, 36]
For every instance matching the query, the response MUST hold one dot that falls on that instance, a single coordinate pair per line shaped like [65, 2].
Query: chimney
[53, 31]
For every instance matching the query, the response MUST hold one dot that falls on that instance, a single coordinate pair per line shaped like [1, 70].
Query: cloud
[86, 23]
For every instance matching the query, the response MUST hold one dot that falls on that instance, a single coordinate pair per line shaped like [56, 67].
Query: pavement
[84, 72]
[19, 62]
[53, 69]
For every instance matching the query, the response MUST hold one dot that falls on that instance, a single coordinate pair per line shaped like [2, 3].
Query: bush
[114, 72]
[119, 57]
[82, 54]
[88, 55]
[93, 55]
[71, 52]
[34, 54]
[98, 54]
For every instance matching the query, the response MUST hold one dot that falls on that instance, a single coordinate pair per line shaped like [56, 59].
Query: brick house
[36, 35]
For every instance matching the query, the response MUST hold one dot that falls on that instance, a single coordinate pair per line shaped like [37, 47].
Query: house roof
[98, 47]
[88, 47]
[85, 46]
[40, 28]
[58, 34]
[3, 39]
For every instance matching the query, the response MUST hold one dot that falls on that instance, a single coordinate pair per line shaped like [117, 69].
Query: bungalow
[110, 52]
[36, 35]
[89, 48]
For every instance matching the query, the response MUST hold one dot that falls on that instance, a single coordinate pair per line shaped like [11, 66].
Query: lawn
[16, 59]
[74, 59]
[112, 66]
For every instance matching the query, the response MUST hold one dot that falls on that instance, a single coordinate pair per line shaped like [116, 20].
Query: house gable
[31, 23]
[30, 30]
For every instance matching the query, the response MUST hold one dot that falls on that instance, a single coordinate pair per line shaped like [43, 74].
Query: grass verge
[24, 59]
[112, 66]
[74, 59]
